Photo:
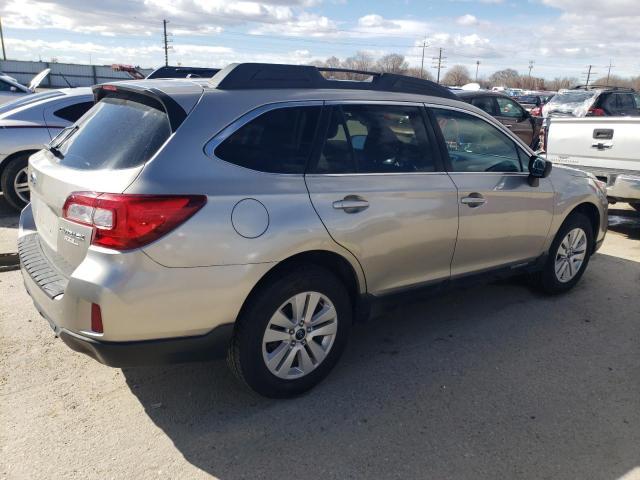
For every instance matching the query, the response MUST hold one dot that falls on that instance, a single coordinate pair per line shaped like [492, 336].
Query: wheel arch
[329, 260]
[590, 211]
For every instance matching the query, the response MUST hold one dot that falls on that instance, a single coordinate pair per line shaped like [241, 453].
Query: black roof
[479, 93]
[602, 87]
[256, 76]
[183, 72]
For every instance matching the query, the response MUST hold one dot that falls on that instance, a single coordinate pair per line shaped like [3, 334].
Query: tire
[636, 206]
[556, 275]
[269, 313]
[15, 168]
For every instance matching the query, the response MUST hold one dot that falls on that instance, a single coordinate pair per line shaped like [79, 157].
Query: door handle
[351, 204]
[473, 200]
[601, 146]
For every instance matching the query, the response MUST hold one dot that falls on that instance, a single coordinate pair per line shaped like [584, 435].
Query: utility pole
[477, 68]
[439, 60]
[588, 73]
[609, 71]
[424, 45]
[166, 43]
[4, 53]
[531, 63]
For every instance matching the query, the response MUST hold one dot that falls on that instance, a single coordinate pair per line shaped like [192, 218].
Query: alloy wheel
[299, 335]
[21, 185]
[570, 255]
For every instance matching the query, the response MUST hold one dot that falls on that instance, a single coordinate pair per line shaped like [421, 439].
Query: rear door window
[116, 133]
[376, 139]
[278, 141]
[486, 104]
[72, 113]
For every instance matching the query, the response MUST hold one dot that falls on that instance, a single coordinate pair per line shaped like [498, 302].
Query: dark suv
[509, 112]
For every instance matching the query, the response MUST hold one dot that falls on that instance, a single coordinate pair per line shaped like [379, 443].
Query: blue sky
[561, 36]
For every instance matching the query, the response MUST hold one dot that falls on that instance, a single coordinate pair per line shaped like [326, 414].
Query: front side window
[509, 108]
[278, 141]
[474, 145]
[376, 139]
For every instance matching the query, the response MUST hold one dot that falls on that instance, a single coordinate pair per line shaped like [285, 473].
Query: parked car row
[261, 212]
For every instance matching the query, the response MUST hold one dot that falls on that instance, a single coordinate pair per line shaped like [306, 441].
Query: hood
[37, 80]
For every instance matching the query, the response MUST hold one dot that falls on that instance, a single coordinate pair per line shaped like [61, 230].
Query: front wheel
[568, 256]
[291, 334]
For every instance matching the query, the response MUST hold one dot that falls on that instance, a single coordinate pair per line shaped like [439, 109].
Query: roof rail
[253, 76]
[605, 87]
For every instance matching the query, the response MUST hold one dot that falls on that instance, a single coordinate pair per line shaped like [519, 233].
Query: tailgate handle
[601, 145]
[603, 133]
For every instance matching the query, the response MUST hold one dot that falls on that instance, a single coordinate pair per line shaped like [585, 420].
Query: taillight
[123, 221]
[536, 111]
[596, 112]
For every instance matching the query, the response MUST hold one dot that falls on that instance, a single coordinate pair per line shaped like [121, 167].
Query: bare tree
[457, 75]
[505, 78]
[561, 82]
[415, 72]
[392, 63]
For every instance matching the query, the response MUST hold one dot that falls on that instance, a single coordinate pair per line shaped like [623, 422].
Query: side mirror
[538, 168]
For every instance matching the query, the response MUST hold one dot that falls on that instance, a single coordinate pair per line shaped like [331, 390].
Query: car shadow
[492, 381]
[625, 221]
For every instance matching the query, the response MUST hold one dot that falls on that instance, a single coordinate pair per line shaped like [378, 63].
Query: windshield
[116, 133]
[28, 99]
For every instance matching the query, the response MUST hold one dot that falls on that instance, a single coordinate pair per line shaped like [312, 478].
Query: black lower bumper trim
[152, 352]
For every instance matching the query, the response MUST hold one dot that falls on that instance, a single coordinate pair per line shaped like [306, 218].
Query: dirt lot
[492, 382]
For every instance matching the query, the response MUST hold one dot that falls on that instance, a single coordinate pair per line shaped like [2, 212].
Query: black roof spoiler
[173, 109]
[253, 76]
[183, 72]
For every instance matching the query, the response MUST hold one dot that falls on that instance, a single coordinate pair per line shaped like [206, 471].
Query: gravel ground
[491, 382]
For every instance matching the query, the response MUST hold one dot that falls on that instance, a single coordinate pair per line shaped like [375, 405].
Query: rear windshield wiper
[58, 140]
[53, 149]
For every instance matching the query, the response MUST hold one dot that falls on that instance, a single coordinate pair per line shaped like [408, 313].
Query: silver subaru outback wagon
[261, 212]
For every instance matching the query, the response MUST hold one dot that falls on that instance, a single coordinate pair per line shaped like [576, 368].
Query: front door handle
[351, 204]
[473, 200]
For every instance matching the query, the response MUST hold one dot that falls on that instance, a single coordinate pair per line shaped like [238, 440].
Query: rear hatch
[103, 152]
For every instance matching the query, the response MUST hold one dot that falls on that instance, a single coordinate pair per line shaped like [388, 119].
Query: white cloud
[467, 20]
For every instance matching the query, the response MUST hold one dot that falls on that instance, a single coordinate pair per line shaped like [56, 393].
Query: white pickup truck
[608, 147]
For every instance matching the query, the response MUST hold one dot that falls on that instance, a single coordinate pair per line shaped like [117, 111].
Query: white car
[11, 89]
[29, 123]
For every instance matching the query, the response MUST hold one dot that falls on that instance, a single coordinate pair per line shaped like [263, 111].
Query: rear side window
[72, 113]
[376, 139]
[278, 141]
[484, 103]
[116, 133]
[474, 145]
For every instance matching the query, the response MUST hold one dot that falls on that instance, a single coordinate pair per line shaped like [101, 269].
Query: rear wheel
[568, 256]
[15, 182]
[292, 333]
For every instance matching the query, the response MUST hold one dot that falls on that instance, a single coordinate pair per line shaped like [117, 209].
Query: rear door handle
[473, 200]
[351, 204]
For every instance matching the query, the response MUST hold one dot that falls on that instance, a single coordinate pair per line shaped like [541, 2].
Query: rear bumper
[152, 352]
[624, 188]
